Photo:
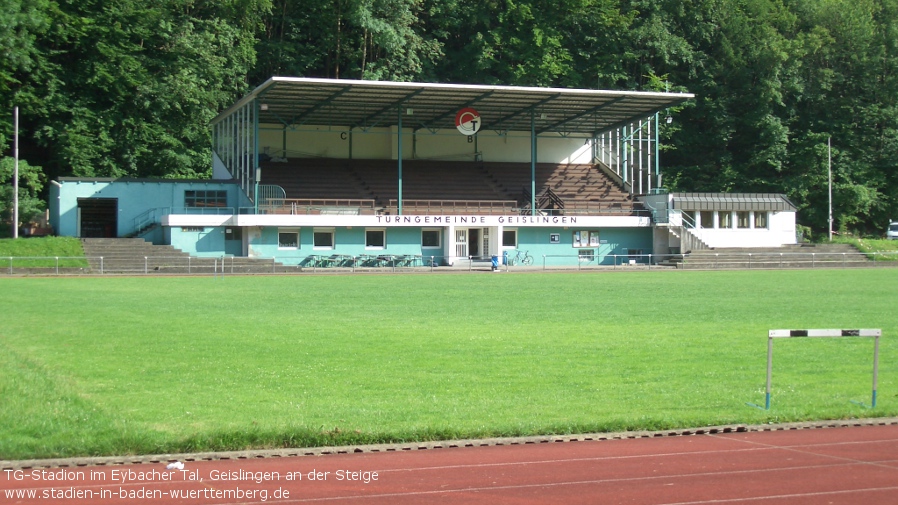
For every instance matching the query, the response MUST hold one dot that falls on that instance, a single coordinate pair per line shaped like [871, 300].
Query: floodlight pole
[15, 176]
[829, 149]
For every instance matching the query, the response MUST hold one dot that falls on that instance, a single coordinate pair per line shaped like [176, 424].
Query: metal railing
[297, 206]
[449, 207]
[586, 260]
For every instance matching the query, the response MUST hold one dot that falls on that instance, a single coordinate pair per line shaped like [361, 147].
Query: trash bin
[495, 262]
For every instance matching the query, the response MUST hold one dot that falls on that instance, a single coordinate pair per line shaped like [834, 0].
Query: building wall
[780, 231]
[381, 143]
[135, 198]
[262, 242]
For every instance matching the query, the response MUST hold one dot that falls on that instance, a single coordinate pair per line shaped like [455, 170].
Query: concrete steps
[793, 256]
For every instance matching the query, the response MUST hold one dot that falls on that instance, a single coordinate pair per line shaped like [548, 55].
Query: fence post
[273, 265]
[146, 268]
[813, 260]
[57, 265]
[431, 264]
[650, 261]
[749, 261]
[544, 261]
[10, 265]
[188, 264]
[101, 265]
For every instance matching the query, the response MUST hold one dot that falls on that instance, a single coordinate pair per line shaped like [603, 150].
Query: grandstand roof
[296, 101]
[732, 201]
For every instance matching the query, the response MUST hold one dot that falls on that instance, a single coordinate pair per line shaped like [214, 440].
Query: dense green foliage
[128, 87]
[119, 365]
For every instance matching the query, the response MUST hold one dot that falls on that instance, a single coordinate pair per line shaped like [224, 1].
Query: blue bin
[504, 257]
[495, 262]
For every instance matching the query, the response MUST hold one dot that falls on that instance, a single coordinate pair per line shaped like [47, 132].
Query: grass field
[42, 252]
[120, 365]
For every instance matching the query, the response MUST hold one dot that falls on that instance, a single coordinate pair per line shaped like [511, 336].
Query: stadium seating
[440, 187]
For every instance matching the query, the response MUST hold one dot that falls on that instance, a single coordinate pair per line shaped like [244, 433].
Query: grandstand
[440, 187]
[305, 169]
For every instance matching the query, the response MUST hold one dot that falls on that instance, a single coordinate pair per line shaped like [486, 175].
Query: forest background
[113, 88]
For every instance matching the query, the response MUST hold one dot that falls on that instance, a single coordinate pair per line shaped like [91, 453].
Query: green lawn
[93, 366]
[41, 252]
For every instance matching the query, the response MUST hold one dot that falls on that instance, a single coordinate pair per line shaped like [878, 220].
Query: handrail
[143, 220]
[442, 206]
[81, 265]
[323, 202]
[295, 206]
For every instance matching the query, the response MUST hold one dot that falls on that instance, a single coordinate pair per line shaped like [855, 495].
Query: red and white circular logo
[467, 121]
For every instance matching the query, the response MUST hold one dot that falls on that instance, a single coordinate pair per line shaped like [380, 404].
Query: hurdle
[772, 334]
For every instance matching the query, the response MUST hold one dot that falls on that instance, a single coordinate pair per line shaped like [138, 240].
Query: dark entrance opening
[474, 242]
[98, 217]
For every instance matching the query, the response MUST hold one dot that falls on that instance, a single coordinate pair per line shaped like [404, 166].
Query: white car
[892, 234]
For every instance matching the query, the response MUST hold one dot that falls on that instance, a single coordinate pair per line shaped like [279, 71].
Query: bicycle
[521, 257]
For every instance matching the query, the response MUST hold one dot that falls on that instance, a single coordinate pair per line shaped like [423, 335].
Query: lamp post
[15, 175]
[829, 149]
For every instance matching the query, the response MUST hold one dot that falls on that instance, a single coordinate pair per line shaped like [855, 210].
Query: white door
[461, 243]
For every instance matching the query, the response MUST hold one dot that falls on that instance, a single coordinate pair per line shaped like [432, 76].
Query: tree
[31, 181]
[356, 39]
[133, 85]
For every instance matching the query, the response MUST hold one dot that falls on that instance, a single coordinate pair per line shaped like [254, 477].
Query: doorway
[474, 242]
[98, 217]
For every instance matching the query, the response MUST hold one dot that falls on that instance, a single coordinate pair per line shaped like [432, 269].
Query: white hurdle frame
[772, 334]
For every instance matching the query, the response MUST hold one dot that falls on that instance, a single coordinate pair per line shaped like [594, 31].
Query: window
[742, 220]
[375, 239]
[724, 219]
[586, 254]
[192, 229]
[430, 239]
[233, 233]
[323, 239]
[288, 239]
[197, 199]
[707, 218]
[509, 238]
[760, 219]
[586, 238]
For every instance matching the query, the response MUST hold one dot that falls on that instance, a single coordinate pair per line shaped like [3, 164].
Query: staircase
[137, 256]
[790, 256]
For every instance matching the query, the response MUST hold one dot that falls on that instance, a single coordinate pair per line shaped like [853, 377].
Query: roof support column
[657, 159]
[399, 156]
[533, 162]
[257, 172]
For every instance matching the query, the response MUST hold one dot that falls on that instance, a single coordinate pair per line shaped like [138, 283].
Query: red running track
[811, 466]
